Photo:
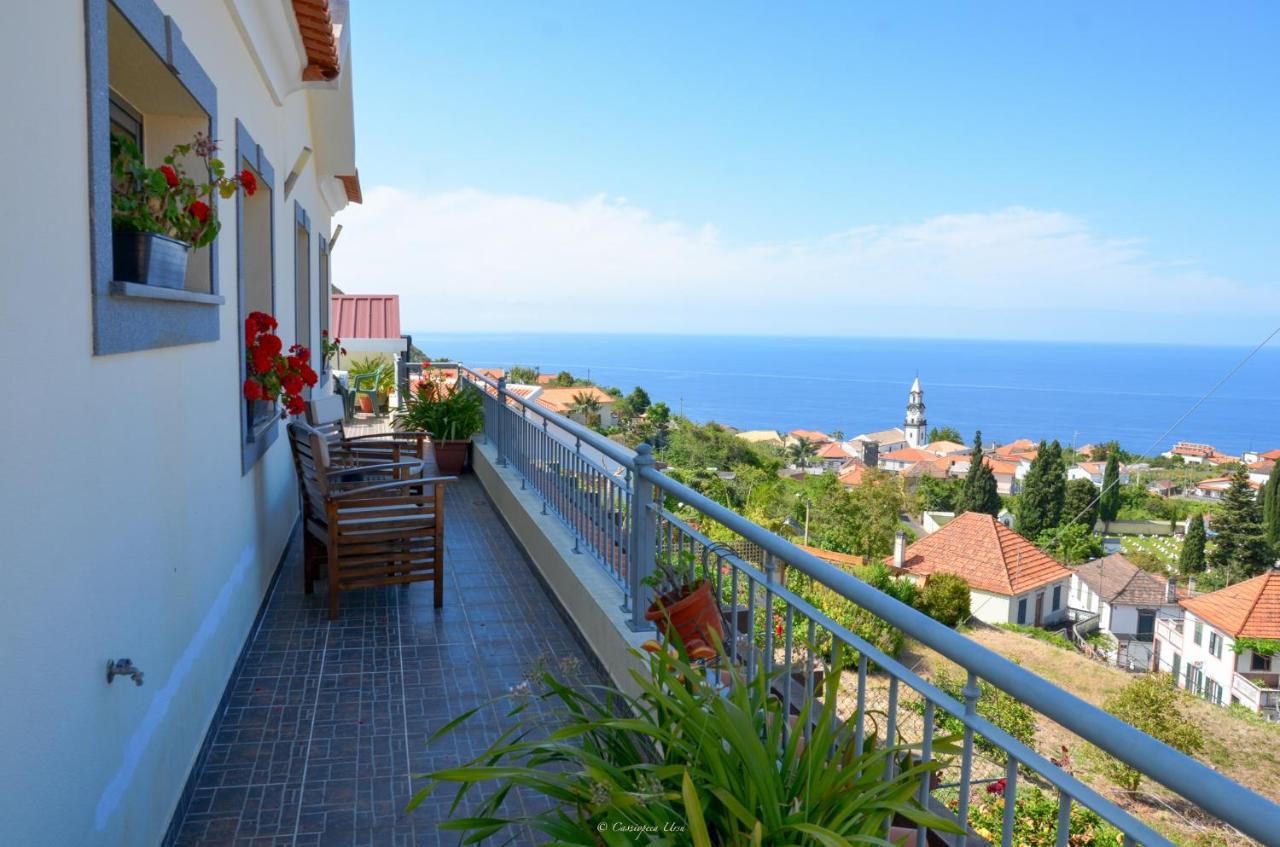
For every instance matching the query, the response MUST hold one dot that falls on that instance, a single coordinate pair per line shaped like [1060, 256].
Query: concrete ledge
[591, 598]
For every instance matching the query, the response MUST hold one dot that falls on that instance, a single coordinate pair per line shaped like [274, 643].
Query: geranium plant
[329, 349]
[167, 200]
[271, 374]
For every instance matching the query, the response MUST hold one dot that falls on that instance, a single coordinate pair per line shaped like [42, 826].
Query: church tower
[915, 424]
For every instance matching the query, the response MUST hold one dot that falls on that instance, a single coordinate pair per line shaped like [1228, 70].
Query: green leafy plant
[687, 760]
[1261, 646]
[674, 576]
[1035, 820]
[166, 200]
[374, 365]
[1002, 709]
[1152, 704]
[1039, 634]
[945, 598]
[449, 413]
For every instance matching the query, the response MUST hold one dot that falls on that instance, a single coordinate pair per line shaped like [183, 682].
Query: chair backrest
[310, 464]
[325, 414]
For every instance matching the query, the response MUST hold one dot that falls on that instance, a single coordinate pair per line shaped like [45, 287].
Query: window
[144, 83]
[1198, 634]
[1057, 597]
[255, 284]
[1259, 662]
[1022, 610]
[1177, 665]
[1146, 625]
[1215, 644]
[302, 278]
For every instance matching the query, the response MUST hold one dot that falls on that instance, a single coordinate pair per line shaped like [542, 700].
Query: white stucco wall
[998, 608]
[129, 529]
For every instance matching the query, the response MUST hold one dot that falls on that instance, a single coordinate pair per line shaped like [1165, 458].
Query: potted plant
[372, 373]
[269, 373]
[159, 214]
[683, 603]
[687, 760]
[451, 413]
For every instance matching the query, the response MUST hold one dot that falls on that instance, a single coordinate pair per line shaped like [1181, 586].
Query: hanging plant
[271, 374]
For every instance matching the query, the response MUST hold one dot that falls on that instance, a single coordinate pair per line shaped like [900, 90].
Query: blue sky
[1118, 153]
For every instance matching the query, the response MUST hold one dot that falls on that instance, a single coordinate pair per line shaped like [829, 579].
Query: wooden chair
[374, 533]
[327, 415]
[357, 470]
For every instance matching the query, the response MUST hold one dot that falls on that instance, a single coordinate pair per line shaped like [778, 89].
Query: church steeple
[915, 424]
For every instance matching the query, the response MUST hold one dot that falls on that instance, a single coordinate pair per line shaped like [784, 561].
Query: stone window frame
[324, 285]
[253, 443]
[303, 220]
[127, 316]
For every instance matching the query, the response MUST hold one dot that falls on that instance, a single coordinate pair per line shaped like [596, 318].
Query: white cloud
[469, 260]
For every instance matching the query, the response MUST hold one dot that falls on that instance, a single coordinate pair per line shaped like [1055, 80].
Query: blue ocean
[1076, 393]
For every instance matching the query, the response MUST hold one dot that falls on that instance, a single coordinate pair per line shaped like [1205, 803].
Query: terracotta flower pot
[693, 616]
[364, 402]
[451, 456]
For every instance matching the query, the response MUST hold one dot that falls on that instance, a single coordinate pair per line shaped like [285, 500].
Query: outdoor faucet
[123, 667]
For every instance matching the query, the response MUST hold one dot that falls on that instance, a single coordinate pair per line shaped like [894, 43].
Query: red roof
[366, 316]
[986, 553]
[908, 454]
[832, 450]
[1250, 609]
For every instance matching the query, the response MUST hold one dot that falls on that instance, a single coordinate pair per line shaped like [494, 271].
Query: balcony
[547, 545]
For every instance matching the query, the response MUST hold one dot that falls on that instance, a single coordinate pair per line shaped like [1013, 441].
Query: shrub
[1054, 638]
[1004, 710]
[1035, 821]
[1149, 703]
[945, 598]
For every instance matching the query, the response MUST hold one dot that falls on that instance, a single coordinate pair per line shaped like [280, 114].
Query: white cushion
[323, 410]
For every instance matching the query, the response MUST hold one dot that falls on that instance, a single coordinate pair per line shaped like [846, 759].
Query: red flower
[272, 344]
[309, 376]
[248, 182]
[282, 366]
[199, 210]
[996, 787]
[343, 351]
[324, 333]
[261, 361]
[292, 384]
[295, 405]
[170, 175]
[252, 389]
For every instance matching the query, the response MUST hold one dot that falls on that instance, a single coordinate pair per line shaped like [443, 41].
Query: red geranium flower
[199, 210]
[252, 389]
[295, 405]
[261, 361]
[170, 175]
[996, 787]
[292, 384]
[343, 351]
[324, 333]
[309, 376]
[272, 344]
[249, 182]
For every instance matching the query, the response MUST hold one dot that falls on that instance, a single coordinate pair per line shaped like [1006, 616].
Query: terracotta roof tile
[351, 185]
[832, 451]
[908, 454]
[1250, 608]
[321, 44]
[990, 556]
[809, 435]
[561, 399]
[1119, 581]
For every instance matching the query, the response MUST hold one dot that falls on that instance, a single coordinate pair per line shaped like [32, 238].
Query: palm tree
[798, 452]
[587, 405]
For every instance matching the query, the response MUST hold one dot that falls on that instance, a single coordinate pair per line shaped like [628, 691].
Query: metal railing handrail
[1247, 811]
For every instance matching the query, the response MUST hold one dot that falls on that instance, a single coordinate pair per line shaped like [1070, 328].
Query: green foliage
[980, 492]
[522, 375]
[798, 452]
[1044, 492]
[1005, 711]
[1154, 705]
[379, 365]
[587, 406]
[1261, 646]
[1081, 503]
[1072, 543]
[710, 445]
[945, 598]
[935, 494]
[684, 761]
[1109, 502]
[1191, 559]
[945, 433]
[1101, 640]
[448, 414]
[638, 400]
[1271, 510]
[1240, 549]
[1035, 820]
[1039, 634]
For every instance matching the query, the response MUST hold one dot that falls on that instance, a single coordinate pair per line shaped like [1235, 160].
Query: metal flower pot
[149, 258]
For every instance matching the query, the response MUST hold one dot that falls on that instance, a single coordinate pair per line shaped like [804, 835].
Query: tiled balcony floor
[326, 721]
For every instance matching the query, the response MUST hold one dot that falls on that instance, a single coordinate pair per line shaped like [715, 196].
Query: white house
[565, 401]
[158, 529]
[1010, 579]
[1119, 598]
[1094, 472]
[832, 456]
[1210, 653]
[886, 440]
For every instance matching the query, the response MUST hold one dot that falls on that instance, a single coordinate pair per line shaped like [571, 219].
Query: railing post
[644, 531]
[502, 408]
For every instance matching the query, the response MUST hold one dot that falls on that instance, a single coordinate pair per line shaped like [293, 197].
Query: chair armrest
[381, 466]
[387, 486]
[392, 435]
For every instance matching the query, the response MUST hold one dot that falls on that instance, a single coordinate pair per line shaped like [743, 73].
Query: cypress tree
[980, 492]
[1043, 492]
[1109, 502]
[1241, 549]
[1080, 506]
[1271, 510]
[1191, 559]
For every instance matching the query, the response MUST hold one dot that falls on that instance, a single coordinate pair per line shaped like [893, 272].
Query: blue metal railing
[611, 498]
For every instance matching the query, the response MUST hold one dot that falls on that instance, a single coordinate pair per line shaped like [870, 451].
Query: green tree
[1080, 505]
[880, 501]
[694, 446]
[945, 598]
[1109, 502]
[522, 375]
[980, 493]
[1191, 559]
[639, 400]
[940, 494]
[1150, 703]
[1240, 549]
[1043, 492]
[564, 379]
[587, 406]
[945, 433]
[1271, 510]
[798, 452]
[1071, 543]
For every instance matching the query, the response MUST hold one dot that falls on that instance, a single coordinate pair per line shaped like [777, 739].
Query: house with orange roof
[1017, 448]
[1010, 579]
[1190, 452]
[900, 460]
[1219, 652]
[813, 436]
[1216, 488]
[563, 400]
[832, 456]
[946, 448]
[851, 473]
[1094, 472]
[1261, 470]
[1008, 472]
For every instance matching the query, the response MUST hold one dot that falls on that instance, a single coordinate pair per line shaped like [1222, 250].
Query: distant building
[946, 448]
[900, 460]
[934, 521]
[563, 400]
[832, 456]
[851, 473]
[768, 437]
[813, 436]
[1261, 470]
[1126, 602]
[1094, 472]
[1010, 579]
[915, 425]
[1216, 488]
[1164, 488]
[369, 326]
[1204, 653]
[886, 440]
[1190, 452]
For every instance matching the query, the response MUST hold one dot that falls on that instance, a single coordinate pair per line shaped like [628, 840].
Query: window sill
[134, 290]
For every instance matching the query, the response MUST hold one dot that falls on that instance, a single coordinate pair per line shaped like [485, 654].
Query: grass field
[1164, 549]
